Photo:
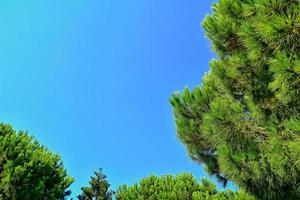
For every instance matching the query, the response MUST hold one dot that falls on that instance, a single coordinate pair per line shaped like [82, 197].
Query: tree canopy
[181, 187]
[29, 171]
[243, 122]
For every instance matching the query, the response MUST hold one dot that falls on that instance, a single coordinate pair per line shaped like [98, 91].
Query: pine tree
[180, 187]
[243, 122]
[29, 171]
[98, 188]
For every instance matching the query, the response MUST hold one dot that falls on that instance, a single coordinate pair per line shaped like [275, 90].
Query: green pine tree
[243, 122]
[180, 187]
[29, 171]
[98, 188]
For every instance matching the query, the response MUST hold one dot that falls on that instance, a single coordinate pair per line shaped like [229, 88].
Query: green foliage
[243, 122]
[98, 188]
[28, 171]
[180, 187]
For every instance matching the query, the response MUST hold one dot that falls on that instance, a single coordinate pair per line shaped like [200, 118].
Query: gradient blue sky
[91, 80]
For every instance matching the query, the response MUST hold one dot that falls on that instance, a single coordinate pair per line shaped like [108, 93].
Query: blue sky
[91, 80]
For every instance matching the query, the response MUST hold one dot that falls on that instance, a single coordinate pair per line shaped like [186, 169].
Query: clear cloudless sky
[91, 80]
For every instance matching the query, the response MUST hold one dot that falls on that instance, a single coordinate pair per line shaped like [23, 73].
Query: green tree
[181, 187]
[98, 188]
[243, 122]
[28, 171]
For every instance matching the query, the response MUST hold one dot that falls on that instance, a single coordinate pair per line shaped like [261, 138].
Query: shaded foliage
[243, 122]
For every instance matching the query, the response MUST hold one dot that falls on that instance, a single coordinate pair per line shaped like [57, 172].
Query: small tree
[98, 189]
[29, 171]
[243, 123]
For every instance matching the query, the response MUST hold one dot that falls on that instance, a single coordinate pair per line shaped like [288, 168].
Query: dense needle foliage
[180, 187]
[243, 122]
[28, 171]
